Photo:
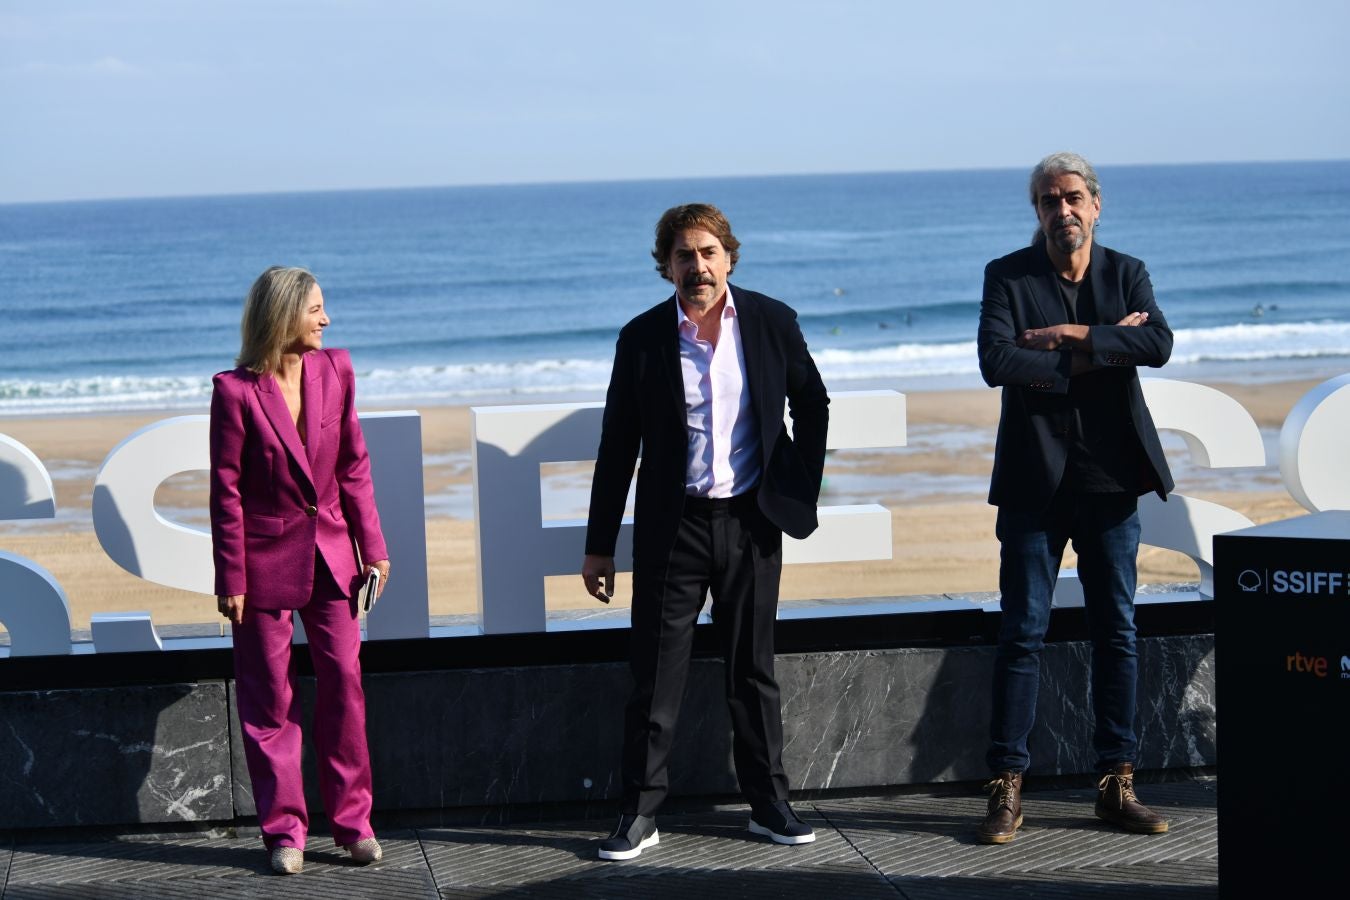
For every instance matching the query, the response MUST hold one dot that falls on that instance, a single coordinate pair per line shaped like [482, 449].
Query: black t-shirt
[1104, 451]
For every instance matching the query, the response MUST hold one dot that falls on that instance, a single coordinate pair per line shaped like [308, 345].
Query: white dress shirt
[724, 444]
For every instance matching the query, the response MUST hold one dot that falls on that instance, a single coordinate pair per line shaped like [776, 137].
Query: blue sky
[169, 97]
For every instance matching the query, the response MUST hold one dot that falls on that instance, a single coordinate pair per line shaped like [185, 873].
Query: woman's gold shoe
[365, 851]
[288, 860]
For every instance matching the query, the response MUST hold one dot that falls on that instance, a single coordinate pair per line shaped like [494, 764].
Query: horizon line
[642, 180]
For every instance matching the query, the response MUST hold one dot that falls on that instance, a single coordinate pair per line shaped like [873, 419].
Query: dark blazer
[645, 410]
[275, 500]
[1034, 431]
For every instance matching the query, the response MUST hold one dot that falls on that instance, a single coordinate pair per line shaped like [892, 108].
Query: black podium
[1282, 685]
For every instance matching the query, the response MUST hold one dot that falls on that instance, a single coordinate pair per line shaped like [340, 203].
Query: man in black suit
[699, 385]
[1063, 325]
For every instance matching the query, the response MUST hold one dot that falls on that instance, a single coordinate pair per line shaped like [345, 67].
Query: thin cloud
[105, 67]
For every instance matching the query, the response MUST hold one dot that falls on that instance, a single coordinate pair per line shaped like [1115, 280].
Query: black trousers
[728, 547]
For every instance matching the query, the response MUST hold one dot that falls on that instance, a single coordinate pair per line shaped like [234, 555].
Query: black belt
[708, 505]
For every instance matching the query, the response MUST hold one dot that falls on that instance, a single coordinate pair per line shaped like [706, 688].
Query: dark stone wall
[543, 734]
[118, 755]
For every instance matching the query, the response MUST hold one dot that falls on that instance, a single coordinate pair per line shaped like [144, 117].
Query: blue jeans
[1104, 529]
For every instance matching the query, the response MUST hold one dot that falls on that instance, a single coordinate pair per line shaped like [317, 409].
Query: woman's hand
[382, 566]
[232, 608]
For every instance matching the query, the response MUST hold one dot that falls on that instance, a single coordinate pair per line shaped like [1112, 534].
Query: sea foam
[541, 378]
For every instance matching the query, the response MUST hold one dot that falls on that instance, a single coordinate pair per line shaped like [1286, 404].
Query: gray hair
[273, 313]
[1063, 163]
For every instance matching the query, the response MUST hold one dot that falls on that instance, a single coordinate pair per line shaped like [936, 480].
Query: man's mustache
[1067, 221]
[695, 280]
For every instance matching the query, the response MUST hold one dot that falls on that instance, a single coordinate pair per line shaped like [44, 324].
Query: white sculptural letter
[517, 549]
[33, 606]
[1219, 433]
[131, 530]
[140, 540]
[1313, 446]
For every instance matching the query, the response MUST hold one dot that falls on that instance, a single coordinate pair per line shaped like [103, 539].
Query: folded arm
[1004, 360]
[1047, 358]
[1148, 344]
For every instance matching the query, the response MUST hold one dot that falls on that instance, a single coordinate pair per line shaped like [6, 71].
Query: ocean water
[485, 294]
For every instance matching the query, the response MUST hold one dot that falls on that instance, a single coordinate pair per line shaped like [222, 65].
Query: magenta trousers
[270, 715]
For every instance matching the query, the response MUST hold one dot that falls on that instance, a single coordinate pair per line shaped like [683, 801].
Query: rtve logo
[1312, 665]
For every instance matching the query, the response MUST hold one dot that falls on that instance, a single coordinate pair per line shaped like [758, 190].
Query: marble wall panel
[479, 737]
[1174, 722]
[885, 717]
[241, 787]
[114, 755]
[533, 735]
[544, 734]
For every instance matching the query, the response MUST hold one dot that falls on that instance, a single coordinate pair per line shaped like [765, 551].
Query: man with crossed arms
[1063, 325]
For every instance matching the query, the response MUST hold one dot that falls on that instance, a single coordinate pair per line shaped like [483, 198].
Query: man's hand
[1054, 337]
[593, 570]
[1076, 337]
[1082, 360]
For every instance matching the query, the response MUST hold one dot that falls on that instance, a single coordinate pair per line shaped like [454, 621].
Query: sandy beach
[943, 531]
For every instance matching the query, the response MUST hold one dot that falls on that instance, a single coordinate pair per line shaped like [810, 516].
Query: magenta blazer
[274, 500]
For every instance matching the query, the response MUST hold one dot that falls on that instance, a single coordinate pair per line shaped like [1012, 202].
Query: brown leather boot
[1005, 809]
[1117, 804]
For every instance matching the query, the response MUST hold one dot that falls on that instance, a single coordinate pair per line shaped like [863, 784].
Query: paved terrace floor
[917, 846]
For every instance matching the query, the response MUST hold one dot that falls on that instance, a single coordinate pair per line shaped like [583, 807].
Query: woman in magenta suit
[292, 506]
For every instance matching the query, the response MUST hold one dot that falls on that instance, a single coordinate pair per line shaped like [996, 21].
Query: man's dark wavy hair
[703, 216]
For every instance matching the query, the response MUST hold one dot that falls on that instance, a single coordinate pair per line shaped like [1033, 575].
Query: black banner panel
[1282, 686]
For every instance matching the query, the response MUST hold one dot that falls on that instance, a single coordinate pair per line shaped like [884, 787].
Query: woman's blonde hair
[273, 312]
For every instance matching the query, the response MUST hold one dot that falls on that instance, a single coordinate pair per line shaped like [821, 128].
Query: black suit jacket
[645, 410]
[1034, 431]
